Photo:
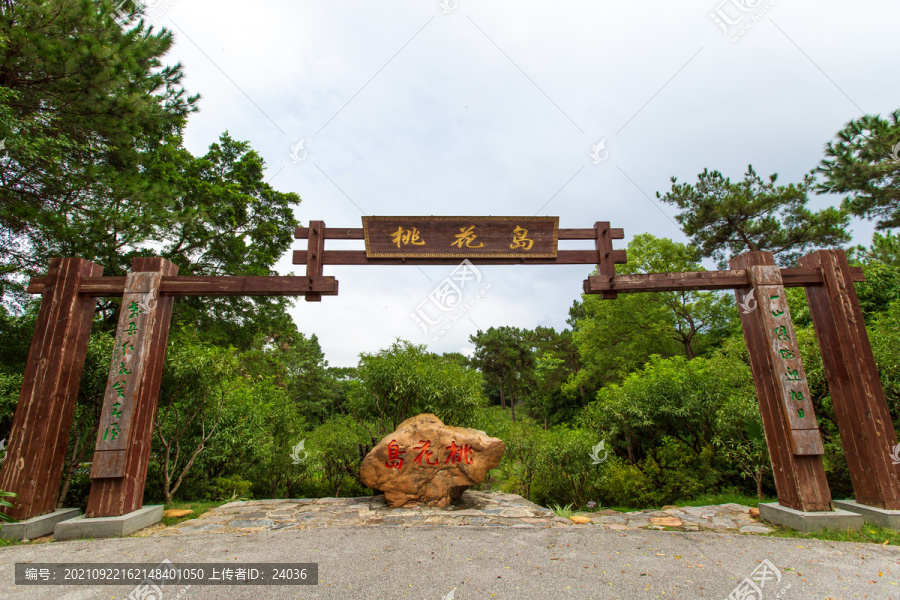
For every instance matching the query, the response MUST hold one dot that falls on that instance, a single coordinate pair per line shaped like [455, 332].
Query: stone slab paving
[475, 508]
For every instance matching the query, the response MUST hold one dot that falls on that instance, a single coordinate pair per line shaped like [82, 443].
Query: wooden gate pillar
[867, 434]
[119, 469]
[40, 429]
[792, 436]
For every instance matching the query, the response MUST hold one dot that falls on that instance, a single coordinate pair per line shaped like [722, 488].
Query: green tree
[724, 219]
[864, 161]
[226, 220]
[505, 357]
[197, 379]
[83, 103]
[615, 337]
[405, 380]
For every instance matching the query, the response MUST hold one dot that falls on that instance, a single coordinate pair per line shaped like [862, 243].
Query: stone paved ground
[490, 509]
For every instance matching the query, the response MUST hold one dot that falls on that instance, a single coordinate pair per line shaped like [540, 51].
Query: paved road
[427, 562]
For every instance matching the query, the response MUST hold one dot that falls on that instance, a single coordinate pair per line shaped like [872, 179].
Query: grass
[564, 512]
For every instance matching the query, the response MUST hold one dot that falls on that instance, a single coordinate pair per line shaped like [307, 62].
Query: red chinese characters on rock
[456, 455]
[395, 456]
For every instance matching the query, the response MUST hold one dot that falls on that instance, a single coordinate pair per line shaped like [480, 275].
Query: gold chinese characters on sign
[461, 237]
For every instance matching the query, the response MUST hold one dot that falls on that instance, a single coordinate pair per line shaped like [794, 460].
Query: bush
[564, 473]
[226, 488]
[335, 449]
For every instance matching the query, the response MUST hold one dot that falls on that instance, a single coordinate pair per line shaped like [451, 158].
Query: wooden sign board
[784, 354]
[461, 237]
[125, 374]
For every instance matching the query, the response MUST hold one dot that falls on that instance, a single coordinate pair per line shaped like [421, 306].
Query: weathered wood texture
[799, 480]
[276, 285]
[129, 358]
[606, 263]
[351, 233]
[358, 257]
[784, 355]
[459, 237]
[315, 249]
[701, 280]
[40, 429]
[867, 434]
[117, 495]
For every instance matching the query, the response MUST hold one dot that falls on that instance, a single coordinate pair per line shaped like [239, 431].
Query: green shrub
[225, 488]
[623, 484]
[564, 473]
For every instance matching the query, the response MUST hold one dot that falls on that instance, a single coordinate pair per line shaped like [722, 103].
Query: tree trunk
[581, 389]
[502, 398]
[630, 448]
[759, 477]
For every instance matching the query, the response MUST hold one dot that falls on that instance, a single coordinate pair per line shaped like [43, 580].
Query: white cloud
[492, 108]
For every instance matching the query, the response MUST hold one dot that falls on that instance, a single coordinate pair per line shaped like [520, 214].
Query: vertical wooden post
[605, 265]
[794, 447]
[119, 470]
[40, 429]
[867, 434]
[315, 249]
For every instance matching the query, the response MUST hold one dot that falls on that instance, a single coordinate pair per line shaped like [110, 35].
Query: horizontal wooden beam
[358, 257]
[699, 280]
[334, 233]
[209, 286]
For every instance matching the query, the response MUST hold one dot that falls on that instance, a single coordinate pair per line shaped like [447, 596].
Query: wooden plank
[115, 496]
[784, 355]
[799, 480]
[701, 280]
[333, 233]
[358, 257]
[126, 371]
[43, 418]
[315, 248]
[460, 237]
[275, 285]
[861, 412]
[606, 265]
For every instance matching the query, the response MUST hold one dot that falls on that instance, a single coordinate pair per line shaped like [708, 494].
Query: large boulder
[425, 462]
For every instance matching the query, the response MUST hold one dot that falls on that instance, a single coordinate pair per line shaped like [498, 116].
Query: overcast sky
[494, 108]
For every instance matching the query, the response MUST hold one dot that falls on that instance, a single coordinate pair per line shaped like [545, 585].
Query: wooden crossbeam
[208, 286]
[335, 233]
[700, 280]
[358, 257]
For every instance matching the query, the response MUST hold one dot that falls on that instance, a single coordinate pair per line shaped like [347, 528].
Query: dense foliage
[644, 400]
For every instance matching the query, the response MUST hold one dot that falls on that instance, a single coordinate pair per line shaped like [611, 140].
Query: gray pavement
[427, 562]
